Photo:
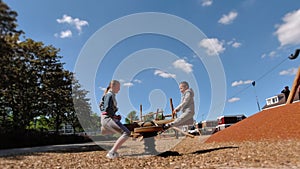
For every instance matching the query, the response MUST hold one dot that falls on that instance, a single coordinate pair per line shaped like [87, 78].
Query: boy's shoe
[167, 126]
[164, 126]
[112, 155]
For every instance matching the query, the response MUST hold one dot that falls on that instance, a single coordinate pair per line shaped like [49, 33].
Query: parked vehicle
[208, 127]
[228, 120]
[195, 129]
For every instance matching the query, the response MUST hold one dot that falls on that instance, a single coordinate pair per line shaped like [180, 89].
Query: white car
[227, 121]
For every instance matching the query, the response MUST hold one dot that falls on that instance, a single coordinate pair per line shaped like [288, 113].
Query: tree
[8, 20]
[8, 42]
[149, 116]
[95, 122]
[34, 85]
[81, 107]
[39, 86]
[131, 117]
[160, 116]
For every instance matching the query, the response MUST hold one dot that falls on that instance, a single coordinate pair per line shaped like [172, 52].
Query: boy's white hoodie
[187, 107]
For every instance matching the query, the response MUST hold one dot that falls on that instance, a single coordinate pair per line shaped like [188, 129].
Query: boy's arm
[186, 99]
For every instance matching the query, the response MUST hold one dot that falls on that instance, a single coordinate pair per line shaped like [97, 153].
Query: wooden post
[156, 117]
[294, 88]
[185, 133]
[172, 107]
[130, 118]
[141, 113]
[173, 116]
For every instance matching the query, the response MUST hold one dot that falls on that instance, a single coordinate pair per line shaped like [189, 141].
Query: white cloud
[241, 82]
[272, 54]
[263, 55]
[236, 44]
[228, 19]
[137, 81]
[183, 65]
[164, 74]
[128, 84]
[213, 46]
[121, 80]
[289, 31]
[102, 88]
[230, 42]
[207, 2]
[64, 34]
[234, 99]
[291, 71]
[76, 22]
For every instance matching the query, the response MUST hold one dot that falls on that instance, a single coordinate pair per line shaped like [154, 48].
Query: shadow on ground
[213, 149]
[155, 153]
[77, 149]
[80, 149]
[175, 153]
[168, 154]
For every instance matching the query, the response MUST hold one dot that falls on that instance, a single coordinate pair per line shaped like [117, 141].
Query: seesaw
[144, 129]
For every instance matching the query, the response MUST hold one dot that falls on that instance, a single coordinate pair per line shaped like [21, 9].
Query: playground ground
[186, 153]
[268, 139]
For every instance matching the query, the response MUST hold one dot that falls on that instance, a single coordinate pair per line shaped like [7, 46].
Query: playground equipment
[296, 82]
[144, 129]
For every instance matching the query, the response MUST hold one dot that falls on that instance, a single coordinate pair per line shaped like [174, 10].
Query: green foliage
[8, 19]
[95, 122]
[131, 117]
[160, 117]
[149, 117]
[36, 92]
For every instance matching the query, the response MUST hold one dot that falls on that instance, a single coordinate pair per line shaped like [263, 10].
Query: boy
[186, 106]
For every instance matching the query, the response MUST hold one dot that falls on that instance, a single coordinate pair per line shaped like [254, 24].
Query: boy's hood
[191, 91]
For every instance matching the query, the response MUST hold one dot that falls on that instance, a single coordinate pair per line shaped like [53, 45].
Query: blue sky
[243, 39]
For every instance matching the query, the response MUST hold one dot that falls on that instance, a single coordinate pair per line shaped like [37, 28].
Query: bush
[35, 138]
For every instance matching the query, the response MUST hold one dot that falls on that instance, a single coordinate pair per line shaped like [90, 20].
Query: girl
[109, 120]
